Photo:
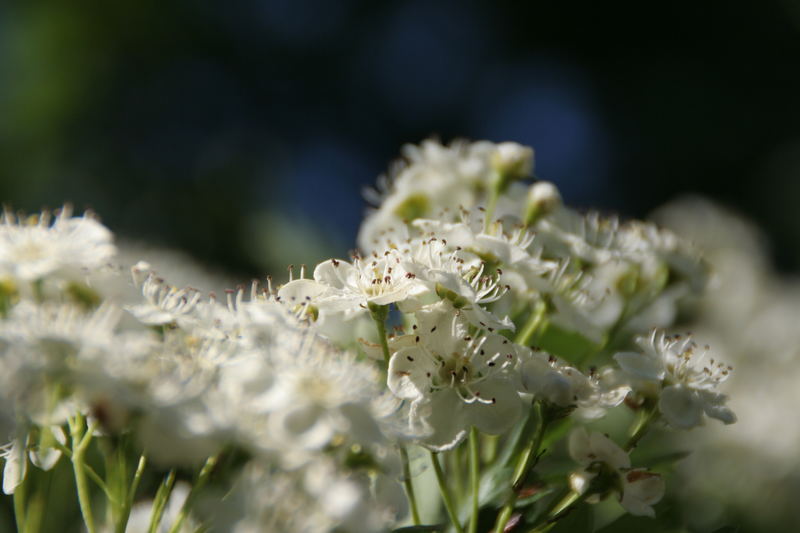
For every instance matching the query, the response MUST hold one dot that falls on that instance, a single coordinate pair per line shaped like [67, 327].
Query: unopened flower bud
[543, 199]
[512, 162]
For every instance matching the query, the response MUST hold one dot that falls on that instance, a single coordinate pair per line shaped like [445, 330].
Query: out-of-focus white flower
[38, 246]
[43, 455]
[53, 345]
[164, 304]
[638, 489]
[304, 394]
[748, 309]
[522, 266]
[685, 384]
[317, 499]
[16, 463]
[433, 177]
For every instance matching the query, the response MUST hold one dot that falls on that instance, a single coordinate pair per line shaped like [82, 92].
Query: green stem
[448, 502]
[160, 501]
[558, 511]
[80, 444]
[115, 472]
[491, 205]
[474, 476]
[527, 459]
[534, 322]
[201, 481]
[125, 511]
[19, 502]
[412, 500]
[643, 425]
[454, 464]
[93, 475]
[33, 520]
[531, 451]
[379, 314]
[489, 448]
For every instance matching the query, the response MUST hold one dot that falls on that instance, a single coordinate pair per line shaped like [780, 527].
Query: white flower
[638, 489]
[547, 378]
[44, 347]
[342, 287]
[164, 304]
[685, 384]
[43, 455]
[16, 463]
[583, 303]
[39, 246]
[454, 380]
[318, 498]
[433, 177]
[303, 396]
[459, 277]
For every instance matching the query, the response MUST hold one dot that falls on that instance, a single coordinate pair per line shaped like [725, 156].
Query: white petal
[410, 373]
[641, 366]
[341, 302]
[497, 417]
[714, 406]
[641, 490]
[681, 407]
[494, 352]
[539, 378]
[300, 290]
[16, 467]
[444, 416]
[334, 273]
[47, 458]
[607, 451]
[307, 427]
[480, 317]
[579, 446]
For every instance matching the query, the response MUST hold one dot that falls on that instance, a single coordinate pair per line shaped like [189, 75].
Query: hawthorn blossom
[638, 489]
[454, 380]
[460, 278]
[350, 288]
[547, 378]
[40, 245]
[433, 177]
[44, 455]
[670, 369]
[163, 303]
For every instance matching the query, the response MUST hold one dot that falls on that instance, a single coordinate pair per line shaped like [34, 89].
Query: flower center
[456, 370]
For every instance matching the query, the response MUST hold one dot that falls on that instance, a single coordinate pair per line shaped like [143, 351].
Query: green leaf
[569, 345]
[667, 459]
[539, 494]
[419, 529]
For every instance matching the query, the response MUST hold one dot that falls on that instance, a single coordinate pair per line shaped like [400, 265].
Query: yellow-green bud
[543, 199]
[511, 161]
[414, 207]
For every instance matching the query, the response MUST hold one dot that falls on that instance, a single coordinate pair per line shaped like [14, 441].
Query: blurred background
[243, 133]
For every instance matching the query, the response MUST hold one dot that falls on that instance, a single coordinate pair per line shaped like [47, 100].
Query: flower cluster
[479, 307]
